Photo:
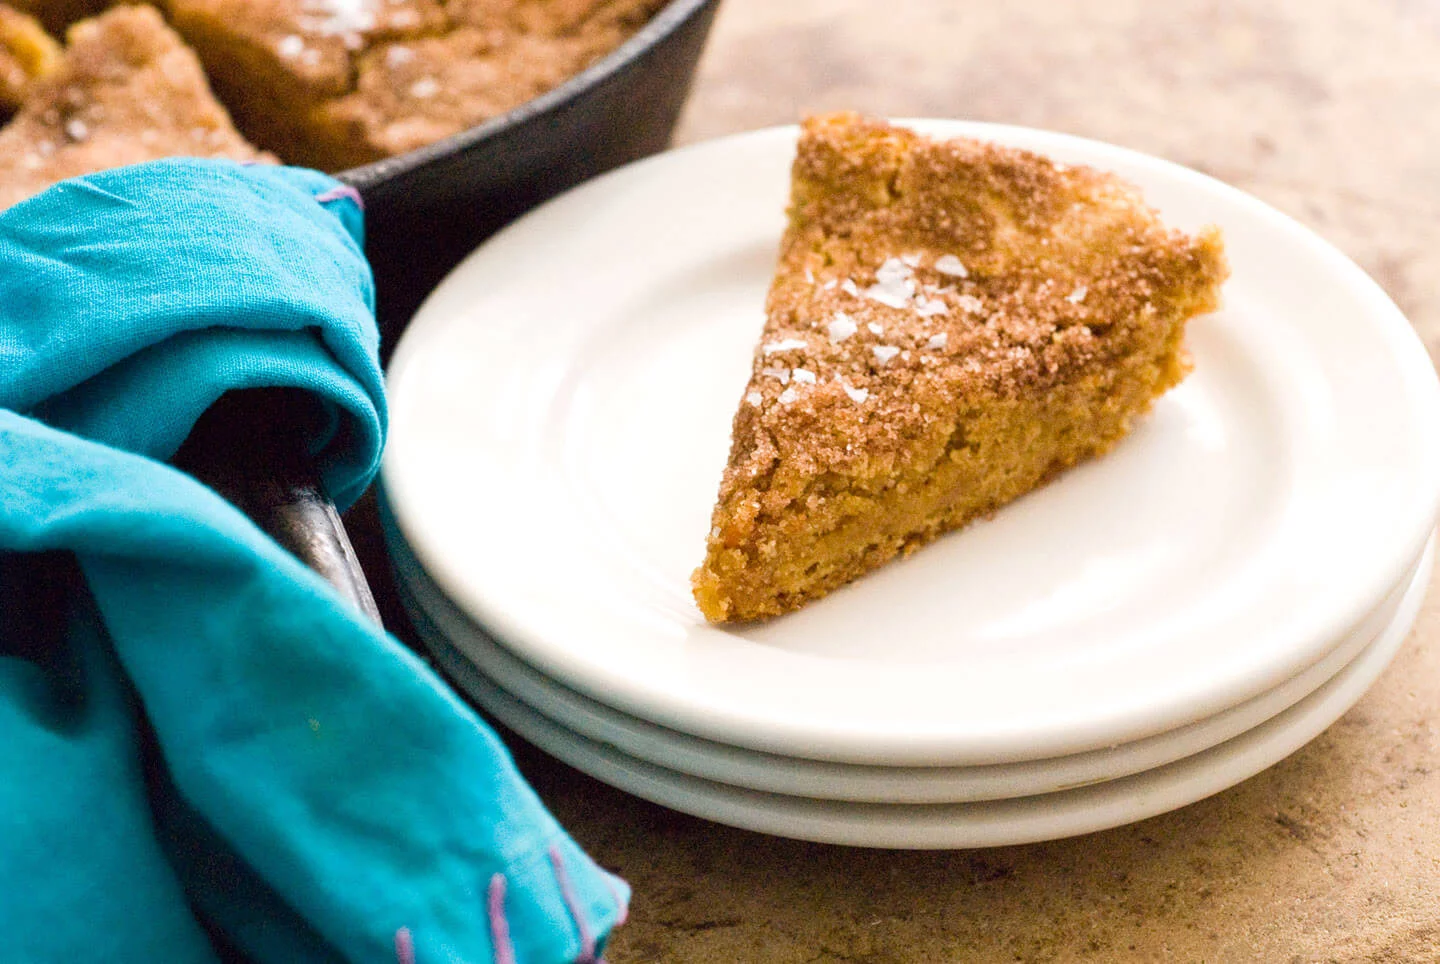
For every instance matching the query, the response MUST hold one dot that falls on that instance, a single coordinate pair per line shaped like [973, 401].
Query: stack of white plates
[1149, 629]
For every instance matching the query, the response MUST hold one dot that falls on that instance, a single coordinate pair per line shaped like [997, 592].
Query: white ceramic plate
[936, 826]
[560, 413]
[839, 781]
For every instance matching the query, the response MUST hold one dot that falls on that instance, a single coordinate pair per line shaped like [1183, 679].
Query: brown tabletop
[1327, 109]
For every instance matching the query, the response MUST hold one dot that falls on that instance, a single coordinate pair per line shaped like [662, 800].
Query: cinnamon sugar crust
[950, 324]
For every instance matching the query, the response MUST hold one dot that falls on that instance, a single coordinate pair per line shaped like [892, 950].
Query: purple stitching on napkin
[341, 191]
[404, 946]
[499, 925]
[567, 893]
[622, 908]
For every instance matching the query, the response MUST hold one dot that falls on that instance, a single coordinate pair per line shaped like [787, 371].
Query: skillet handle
[249, 447]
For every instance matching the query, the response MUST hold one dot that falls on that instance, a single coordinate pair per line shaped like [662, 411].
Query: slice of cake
[27, 53]
[950, 325]
[127, 90]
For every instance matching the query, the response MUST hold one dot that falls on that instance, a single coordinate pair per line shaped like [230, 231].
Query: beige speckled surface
[1328, 109]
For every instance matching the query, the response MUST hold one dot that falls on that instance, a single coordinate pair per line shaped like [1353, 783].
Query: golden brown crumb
[951, 323]
[127, 90]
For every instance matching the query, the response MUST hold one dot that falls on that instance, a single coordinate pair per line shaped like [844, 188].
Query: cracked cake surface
[951, 323]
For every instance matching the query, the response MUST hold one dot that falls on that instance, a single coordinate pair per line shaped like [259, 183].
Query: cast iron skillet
[425, 210]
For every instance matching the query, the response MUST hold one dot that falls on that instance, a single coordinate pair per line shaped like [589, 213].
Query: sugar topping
[782, 375]
[842, 326]
[788, 396]
[786, 344]
[1078, 295]
[850, 288]
[938, 341]
[803, 376]
[883, 353]
[339, 17]
[894, 284]
[930, 307]
[754, 398]
[948, 264]
[857, 395]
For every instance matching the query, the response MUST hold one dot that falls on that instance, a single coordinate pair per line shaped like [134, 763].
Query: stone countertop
[1327, 109]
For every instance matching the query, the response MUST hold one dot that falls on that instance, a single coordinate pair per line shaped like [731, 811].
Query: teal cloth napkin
[205, 754]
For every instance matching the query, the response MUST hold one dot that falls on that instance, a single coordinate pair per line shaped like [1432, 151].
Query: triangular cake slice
[950, 325]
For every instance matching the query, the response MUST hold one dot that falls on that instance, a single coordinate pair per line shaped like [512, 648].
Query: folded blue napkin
[205, 753]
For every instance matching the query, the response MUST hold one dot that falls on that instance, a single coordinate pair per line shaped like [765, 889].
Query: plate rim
[418, 593]
[1182, 782]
